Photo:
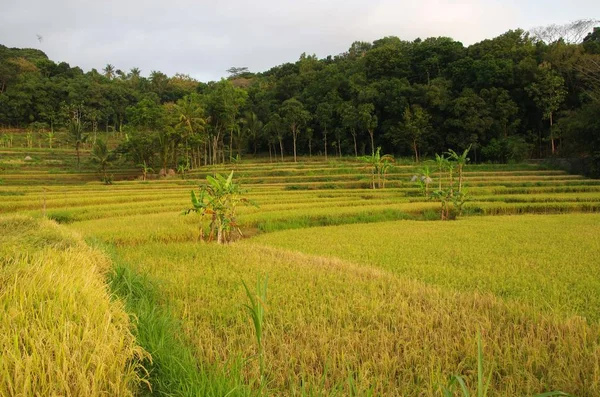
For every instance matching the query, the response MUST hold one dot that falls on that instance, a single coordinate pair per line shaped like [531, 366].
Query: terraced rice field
[368, 294]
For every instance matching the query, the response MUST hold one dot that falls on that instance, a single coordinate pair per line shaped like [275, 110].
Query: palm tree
[135, 72]
[109, 71]
[77, 135]
[101, 156]
[191, 118]
[253, 127]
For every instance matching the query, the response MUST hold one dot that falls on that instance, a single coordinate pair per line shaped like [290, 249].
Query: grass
[172, 367]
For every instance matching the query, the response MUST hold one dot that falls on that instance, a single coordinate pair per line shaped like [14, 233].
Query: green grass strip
[173, 369]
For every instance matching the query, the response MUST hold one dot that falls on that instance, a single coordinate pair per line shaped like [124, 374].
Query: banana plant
[218, 200]
[29, 138]
[460, 160]
[379, 166]
[145, 169]
[441, 161]
[50, 137]
[424, 180]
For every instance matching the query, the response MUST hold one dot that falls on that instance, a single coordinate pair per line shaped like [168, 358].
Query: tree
[572, 32]
[237, 71]
[548, 92]
[324, 116]
[274, 129]
[101, 156]
[191, 118]
[76, 133]
[253, 127]
[350, 121]
[295, 117]
[109, 71]
[416, 124]
[368, 121]
[223, 105]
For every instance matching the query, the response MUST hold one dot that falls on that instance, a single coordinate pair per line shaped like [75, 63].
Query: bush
[504, 150]
[61, 216]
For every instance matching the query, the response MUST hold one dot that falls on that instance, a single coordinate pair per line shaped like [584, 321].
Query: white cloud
[205, 37]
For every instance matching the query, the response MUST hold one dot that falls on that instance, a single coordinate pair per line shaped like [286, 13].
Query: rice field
[368, 293]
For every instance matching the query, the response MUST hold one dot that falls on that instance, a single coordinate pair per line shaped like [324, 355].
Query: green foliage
[218, 200]
[172, 368]
[409, 98]
[256, 310]
[379, 165]
[457, 381]
[452, 198]
[101, 156]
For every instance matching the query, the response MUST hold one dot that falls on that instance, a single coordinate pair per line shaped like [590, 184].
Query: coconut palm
[109, 71]
[101, 156]
[252, 126]
[77, 136]
[191, 118]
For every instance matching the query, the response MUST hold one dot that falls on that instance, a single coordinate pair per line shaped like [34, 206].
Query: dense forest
[519, 95]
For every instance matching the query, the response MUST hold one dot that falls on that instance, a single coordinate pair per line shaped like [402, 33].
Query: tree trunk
[78, 158]
[552, 135]
[219, 234]
[416, 151]
[309, 147]
[215, 149]
[281, 148]
[270, 156]
[205, 154]
[294, 136]
[339, 148]
[373, 178]
[371, 133]
[325, 136]
[230, 145]
[355, 147]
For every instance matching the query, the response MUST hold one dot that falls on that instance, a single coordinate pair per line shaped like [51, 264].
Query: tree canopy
[516, 95]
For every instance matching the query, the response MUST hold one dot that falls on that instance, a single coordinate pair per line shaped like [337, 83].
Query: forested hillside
[512, 97]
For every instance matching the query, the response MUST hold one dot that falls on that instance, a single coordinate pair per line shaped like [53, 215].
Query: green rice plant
[61, 216]
[458, 381]
[256, 310]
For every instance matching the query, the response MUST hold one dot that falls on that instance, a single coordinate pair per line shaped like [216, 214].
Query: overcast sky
[203, 38]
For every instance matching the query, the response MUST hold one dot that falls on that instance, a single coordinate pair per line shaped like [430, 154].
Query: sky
[203, 38]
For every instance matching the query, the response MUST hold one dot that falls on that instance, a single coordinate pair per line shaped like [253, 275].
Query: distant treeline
[519, 95]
